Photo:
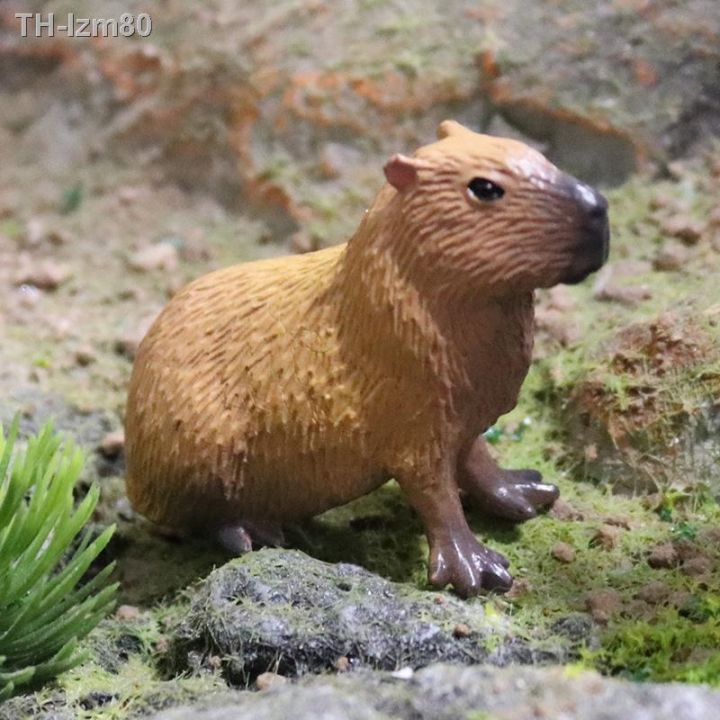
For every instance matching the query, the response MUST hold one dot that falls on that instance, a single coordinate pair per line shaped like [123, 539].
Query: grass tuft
[45, 610]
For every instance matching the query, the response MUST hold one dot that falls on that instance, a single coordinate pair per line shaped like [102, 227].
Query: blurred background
[238, 130]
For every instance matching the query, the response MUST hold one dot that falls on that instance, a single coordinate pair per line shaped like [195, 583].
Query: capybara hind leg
[239, 538]
[456, 557]
[515, 495]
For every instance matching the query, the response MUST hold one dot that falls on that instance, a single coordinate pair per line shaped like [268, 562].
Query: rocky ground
[131, 165]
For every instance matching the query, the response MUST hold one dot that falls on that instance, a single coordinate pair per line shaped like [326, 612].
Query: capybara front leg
[511, 494]
[456, 557]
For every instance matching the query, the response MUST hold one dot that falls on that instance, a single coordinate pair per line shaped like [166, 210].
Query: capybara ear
[450, 127]
[401, 171]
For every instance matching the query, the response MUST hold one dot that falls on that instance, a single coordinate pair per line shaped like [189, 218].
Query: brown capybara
[271, 391]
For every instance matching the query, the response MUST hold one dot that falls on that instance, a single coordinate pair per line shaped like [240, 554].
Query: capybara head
[492, 215]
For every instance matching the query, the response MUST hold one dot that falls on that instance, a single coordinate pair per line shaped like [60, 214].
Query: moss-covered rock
[643, 410]
[444, 692]
[283, 611]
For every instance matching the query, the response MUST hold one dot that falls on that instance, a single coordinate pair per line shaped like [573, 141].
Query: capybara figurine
[271, 391]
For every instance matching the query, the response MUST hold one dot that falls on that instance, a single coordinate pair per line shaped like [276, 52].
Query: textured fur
[273, 390]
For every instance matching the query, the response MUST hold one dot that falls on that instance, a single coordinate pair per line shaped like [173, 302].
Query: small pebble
[555, 322]
[129, 194]
[563, 510]
[47, 275]
[461, 630]
[85, 355]
[590, 453]
[269, 680]
[35, 231]
[214, 662]
[29, 295]
[628, 295]
[684, 228]
[125, 510]
[697, 566]
[160, 256]
[654, 592]
[663, 556]
[129, 342]
[677, 169]
[606, 537]
[59, 237]
[680, 599]
[618, 521]
[671, 257]
[617, 283]
[686, 549]
[563, 552]
[127, 612]
[603, 604]
[302, 242]
[520, 587]
[112, 444]
[561, 297]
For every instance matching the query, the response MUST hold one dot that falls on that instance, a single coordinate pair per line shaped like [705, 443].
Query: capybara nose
[591, 201]
[593, 207]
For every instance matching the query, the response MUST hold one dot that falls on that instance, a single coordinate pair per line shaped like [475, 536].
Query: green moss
[134, 689]
[663, 640]
[555, 590]
[379, 532]
[674, 646]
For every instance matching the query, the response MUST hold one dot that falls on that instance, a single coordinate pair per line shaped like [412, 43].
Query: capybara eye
[485, 190]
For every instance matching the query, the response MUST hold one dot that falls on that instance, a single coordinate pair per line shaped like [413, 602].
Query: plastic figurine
[271, 391]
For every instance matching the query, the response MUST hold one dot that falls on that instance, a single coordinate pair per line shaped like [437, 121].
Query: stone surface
[285, 611]
[35, 408]
[444, 692]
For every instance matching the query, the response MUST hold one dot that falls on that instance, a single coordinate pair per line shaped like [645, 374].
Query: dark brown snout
[593, 227]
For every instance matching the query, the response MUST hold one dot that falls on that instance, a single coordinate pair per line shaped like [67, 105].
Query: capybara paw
[239, 538]
[517, 496]
[469, 567]
[235, 539]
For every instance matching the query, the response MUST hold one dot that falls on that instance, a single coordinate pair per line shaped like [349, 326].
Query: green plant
[44, 610]
[675, 646]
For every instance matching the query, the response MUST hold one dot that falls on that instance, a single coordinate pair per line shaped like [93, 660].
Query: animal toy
[270, 391]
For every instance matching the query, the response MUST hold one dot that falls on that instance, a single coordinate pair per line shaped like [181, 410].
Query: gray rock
[446, 692]
[35, 407]
[283, 611]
